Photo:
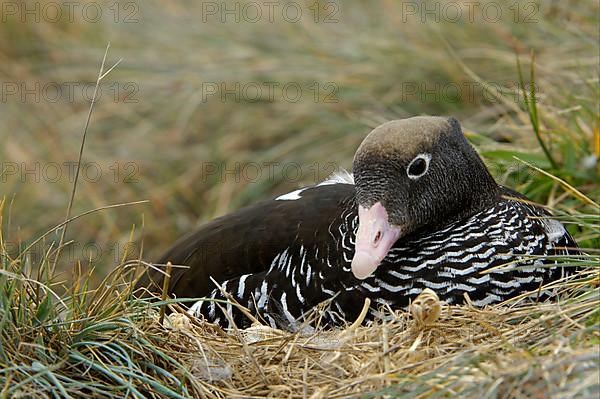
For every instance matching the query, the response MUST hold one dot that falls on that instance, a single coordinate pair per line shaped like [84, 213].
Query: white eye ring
[421, 157]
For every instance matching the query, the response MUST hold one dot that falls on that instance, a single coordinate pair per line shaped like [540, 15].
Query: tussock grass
[106, 343]
[79, 332]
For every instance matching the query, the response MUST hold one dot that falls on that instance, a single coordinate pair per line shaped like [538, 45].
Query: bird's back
[247, 241]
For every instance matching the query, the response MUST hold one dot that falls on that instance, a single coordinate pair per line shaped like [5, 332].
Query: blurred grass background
[155, 130]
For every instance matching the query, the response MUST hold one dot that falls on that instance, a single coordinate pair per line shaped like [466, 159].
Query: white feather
[554, 230]
[340, 177]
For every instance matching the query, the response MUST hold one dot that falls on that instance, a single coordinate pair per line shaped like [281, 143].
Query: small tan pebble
[178, 321]
[426, 308]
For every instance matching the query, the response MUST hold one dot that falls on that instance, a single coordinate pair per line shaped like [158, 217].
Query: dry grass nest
[516, 349]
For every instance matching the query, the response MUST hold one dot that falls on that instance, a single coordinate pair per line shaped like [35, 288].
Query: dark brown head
[411, 174]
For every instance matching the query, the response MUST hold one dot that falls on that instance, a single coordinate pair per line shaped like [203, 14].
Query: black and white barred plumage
[420, 211]
[449, 261]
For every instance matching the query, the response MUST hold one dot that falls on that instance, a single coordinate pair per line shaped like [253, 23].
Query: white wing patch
[340, 177]
[294, 195]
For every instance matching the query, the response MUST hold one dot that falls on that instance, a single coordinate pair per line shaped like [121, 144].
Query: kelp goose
[421, 211]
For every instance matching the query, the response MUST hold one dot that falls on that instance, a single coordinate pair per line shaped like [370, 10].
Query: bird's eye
[418, 166]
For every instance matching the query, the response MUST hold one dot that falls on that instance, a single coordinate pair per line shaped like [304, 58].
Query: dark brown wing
[246, 241]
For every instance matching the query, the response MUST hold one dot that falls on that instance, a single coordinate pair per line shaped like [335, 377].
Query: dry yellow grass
[516, 349]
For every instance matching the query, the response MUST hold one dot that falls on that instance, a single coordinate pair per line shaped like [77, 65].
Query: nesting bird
[420, 211]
